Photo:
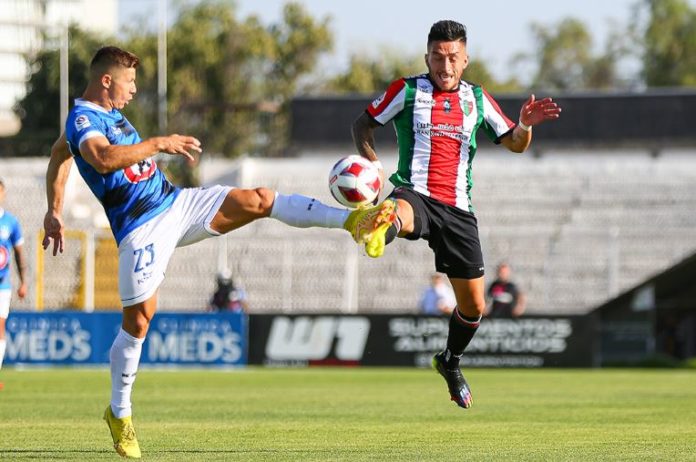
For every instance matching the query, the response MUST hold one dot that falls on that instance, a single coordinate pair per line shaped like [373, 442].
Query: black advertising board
[391, 340]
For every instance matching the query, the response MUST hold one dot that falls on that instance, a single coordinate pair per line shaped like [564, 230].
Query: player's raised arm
[533, 113]
[56, 177]
[106, 157]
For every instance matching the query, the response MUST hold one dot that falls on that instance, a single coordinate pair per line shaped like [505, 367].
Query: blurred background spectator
[505, 299]
[438, 298]
[228, 296]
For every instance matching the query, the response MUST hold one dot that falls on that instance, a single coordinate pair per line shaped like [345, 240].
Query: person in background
[438, 298]
[228, 296]
[11, 241]
[505, 299]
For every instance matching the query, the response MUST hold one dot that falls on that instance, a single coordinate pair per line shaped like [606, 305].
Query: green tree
[372, 74]
[669, 43]
[229, 80]
[39, 110]
[564, 60]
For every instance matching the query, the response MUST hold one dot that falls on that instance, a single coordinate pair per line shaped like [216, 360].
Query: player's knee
[262, 202]
[479, 306]
[472, 307]
[137, 326]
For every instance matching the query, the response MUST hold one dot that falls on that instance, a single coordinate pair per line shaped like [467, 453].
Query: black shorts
[452, 233]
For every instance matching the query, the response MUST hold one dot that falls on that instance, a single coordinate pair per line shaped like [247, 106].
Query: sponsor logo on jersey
[4, 257]
[141, 171]
[82, 122]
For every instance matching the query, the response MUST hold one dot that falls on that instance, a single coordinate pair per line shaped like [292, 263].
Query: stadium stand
[578, 229]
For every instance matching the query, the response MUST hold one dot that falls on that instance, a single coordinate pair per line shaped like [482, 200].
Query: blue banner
[71, 338]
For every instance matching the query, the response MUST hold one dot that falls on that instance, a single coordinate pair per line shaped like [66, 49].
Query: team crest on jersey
[467, 107]
[82, 122]
[4, 257]
[447, 106]
[141, 171]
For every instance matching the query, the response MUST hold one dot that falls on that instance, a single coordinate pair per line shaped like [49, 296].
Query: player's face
[446, 62]
[122, 86]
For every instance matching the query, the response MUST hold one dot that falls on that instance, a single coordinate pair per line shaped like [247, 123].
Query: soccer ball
[354, 181]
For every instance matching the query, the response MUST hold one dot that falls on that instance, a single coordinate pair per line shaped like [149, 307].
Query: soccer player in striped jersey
[11, 242]
[436, 116]
[149, 216]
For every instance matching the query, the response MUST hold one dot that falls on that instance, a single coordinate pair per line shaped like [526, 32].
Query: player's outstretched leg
[369, 226]
[123, 434]
[459, 390]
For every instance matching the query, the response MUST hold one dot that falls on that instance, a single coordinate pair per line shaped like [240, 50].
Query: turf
[356, 415]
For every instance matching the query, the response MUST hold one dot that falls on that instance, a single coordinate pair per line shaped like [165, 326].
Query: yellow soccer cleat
[369, 226]
[123, 434]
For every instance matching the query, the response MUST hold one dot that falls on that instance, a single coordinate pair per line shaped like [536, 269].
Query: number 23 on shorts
[144, 257]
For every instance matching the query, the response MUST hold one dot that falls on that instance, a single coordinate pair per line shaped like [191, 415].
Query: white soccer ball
[354, 181]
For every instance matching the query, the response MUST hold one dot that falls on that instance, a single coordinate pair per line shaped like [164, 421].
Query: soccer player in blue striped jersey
[11, 241]
[149, 216]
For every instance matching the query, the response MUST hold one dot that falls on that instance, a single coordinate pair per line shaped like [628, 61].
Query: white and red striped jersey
[436, 132]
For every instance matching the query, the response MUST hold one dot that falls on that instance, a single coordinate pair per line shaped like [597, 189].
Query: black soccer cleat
[458, 388]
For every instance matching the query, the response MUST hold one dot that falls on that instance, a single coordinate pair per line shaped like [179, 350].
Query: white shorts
[144, 253]
[5, 297]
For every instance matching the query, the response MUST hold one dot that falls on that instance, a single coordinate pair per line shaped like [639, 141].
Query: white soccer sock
[306, 212]
[3, 344]
[125, 356]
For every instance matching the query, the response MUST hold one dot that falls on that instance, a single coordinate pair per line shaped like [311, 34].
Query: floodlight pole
[64, 43]
[162, 66]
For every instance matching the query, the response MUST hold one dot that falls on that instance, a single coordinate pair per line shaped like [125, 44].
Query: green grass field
[356, 415]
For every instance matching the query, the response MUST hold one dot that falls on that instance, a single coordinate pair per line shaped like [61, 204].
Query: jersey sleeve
[82, 127]
[495, 122]
[390, 103]
[16, 237]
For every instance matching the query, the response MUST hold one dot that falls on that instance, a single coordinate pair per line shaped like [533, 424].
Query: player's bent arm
[363, 131]
[57, 174]
[518, 140]
[106, 157]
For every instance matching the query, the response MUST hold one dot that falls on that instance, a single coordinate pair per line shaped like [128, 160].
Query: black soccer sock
[393, 231]
[461, 331]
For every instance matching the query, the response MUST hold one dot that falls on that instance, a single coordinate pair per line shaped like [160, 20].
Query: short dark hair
[107, 57]
[447, 31]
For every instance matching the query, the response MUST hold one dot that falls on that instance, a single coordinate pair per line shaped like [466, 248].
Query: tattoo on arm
[363, 136]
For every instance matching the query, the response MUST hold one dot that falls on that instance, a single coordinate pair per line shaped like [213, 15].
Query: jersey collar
[89, 104]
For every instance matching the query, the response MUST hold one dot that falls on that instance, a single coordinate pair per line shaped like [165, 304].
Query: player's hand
[536, 111]
[22, 291]
[180, 144]
[53, 231]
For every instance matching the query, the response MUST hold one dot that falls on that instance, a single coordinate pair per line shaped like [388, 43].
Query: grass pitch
[356, 415]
